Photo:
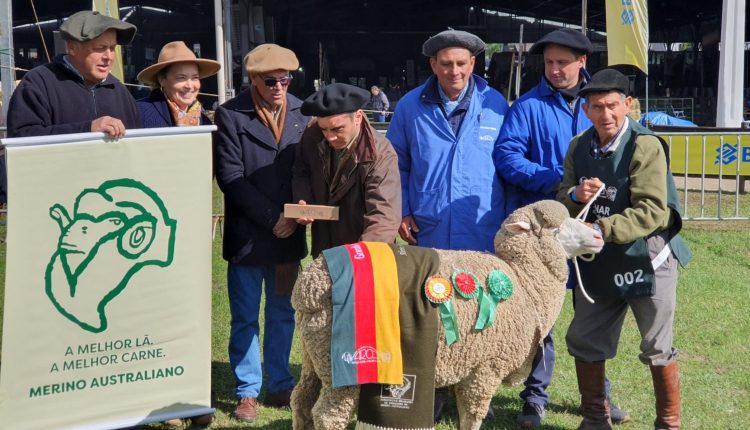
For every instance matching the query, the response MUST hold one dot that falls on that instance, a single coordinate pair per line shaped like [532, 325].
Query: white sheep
[532, 246]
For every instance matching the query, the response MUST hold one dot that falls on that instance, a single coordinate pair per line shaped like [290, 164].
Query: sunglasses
[271, 82]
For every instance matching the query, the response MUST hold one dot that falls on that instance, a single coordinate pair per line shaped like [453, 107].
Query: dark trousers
[541, 374]
[541, 371]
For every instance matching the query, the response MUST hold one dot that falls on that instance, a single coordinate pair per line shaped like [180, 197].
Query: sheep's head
[115, 230]
[557, 236]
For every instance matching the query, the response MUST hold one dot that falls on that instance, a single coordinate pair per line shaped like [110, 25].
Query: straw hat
[178, 52]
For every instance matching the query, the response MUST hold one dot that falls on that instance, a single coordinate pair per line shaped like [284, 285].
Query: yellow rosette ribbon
[439, 290]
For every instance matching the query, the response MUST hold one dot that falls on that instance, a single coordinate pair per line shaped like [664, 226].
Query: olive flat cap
[335, 99]
[269, 57]
[88, 25]
[604, 81]
[567, 37]
[451, 38]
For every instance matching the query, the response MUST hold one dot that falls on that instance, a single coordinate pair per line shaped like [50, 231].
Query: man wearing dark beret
[343, 161]
[443, 132]
[76, 92]
[254, 150]
[638, 215]
[529, 155]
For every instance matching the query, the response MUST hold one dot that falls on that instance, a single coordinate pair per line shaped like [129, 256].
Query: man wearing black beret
[638, 216]
[529, 155]
[343, 161]
[76, 93]
[443, 132]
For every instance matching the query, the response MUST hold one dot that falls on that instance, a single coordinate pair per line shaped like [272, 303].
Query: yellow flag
[110, 8]
[627, 33]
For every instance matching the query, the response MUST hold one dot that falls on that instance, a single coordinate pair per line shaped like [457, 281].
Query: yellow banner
[107, 320]
[627, 33]
[714, 154]
[110, 8]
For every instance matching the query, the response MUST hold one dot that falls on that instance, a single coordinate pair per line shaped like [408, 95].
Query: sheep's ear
[518, 227]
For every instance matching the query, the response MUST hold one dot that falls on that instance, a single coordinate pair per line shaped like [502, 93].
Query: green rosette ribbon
[448, 318]
[500, 288]
[439, 291]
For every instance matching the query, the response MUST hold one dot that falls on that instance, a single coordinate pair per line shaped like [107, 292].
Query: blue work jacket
[533, 142]
[448, 181]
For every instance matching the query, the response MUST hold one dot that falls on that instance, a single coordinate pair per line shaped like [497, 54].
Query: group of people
[456, 160]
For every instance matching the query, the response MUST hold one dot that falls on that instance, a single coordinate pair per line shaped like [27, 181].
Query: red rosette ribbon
[467, 285]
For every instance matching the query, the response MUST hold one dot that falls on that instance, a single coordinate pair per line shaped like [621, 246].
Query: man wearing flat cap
[343, 161]
[529, 155]
[637, 213]
[76, 92]
[443, 132]
[254, 150]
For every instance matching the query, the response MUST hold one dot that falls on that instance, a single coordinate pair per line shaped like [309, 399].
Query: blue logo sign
[627, 17]
[728, 153]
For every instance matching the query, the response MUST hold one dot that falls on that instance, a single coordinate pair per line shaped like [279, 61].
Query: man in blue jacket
[443, 132]
[529, 155]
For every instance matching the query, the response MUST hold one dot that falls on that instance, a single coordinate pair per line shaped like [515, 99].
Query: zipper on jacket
[93, 98]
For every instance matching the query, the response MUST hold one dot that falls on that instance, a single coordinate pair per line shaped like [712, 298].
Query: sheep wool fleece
[480, 360]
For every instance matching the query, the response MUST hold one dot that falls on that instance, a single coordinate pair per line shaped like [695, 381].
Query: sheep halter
[582, 216]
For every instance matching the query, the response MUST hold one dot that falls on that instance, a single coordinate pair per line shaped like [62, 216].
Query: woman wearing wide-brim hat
[175, 82]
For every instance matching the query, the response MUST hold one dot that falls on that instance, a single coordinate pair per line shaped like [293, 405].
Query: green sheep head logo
[116, 230]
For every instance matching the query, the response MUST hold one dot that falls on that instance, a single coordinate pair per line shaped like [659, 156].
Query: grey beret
[335, 99]
[452, 39]
[88, 25]
[567, 37]
[604, 81]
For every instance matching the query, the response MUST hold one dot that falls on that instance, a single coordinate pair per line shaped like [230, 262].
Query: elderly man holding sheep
[623, 168]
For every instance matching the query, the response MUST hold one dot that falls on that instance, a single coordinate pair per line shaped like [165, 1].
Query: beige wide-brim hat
[178, 52]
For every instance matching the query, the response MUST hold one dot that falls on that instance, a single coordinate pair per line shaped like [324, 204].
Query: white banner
[729, 106]
[107, 319]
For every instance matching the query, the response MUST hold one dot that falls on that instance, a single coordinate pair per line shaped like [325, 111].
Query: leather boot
[594, 405]
[667, 391]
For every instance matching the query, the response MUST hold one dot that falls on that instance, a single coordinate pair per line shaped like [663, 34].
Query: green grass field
[711, 329]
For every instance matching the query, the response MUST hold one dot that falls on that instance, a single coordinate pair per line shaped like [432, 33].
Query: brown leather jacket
[367, 192]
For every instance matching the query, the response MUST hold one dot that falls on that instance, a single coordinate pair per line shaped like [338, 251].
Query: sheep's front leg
[473, 396]
[334, 407]
[305, 394]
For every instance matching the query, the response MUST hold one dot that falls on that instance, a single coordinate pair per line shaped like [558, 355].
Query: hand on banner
[284, 227]
[304, 221]
[112, 126]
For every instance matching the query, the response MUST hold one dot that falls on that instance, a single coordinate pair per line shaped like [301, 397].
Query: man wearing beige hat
[76, 93]
[254, 152]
